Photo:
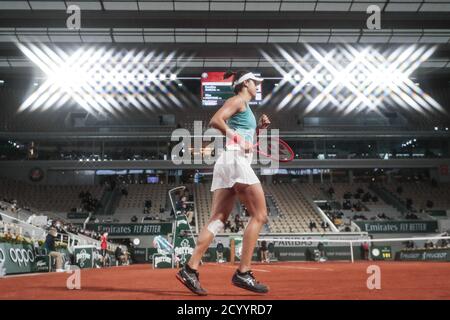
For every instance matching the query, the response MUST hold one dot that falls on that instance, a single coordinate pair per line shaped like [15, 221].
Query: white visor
[247, 76]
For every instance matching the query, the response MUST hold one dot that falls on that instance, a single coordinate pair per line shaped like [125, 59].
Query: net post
[351, 251]
[232, 250]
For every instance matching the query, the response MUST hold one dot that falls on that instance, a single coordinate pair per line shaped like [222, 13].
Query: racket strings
[275, 149]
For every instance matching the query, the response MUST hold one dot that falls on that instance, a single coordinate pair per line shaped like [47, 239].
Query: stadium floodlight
[352, 79]
[103, 81]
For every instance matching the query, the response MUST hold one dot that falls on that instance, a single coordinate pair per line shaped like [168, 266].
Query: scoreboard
[215, 90]
[381, 253]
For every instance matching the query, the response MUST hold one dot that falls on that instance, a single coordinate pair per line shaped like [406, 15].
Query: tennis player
[233, 177]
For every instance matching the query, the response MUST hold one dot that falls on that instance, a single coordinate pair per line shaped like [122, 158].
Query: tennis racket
[276, 149]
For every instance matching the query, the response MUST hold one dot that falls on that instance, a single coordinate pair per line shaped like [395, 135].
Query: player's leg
[223, 201]
[255, 202]
[222, 205]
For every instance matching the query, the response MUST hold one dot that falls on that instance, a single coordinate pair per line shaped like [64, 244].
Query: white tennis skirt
[233, 166]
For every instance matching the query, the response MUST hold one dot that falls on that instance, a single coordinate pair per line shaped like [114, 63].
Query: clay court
[290, 281]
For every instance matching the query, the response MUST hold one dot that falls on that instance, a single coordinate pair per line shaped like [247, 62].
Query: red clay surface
[331, 280]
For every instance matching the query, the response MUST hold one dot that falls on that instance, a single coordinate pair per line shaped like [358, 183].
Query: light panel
[103, 81]
[353, 79]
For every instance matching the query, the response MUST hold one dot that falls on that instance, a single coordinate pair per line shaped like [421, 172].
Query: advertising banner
[413, 226]
[129, 229]
[184, 243]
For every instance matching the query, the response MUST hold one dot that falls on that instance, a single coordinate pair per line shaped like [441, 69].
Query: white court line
[35, 274]
[261, 270]
[305, 268]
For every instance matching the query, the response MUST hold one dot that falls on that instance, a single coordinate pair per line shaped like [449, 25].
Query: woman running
[233, 177]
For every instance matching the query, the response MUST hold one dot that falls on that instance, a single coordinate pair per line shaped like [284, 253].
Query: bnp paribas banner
[147, 229]
[184, 243]
[413, 226]
[20, 258]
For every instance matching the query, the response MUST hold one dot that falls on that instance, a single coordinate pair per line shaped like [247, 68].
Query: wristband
[234, 139]
[237, 138]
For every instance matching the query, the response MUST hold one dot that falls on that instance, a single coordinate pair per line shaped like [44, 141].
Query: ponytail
[229, 73]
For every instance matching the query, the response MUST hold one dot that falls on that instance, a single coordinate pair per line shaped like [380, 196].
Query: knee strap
[216, 226]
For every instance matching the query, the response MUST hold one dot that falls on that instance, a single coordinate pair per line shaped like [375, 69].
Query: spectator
[227, 226]
[324, 225]
[190, 216]
[311, 225]
[365, 250]
[50, 247]
[237, 219]
[264, 252]
[184, 208]
[245, 211]
[104, 247]
[120, 257]
[241, 225]
[346, 205]
[322, 253]
[219, 252]
[409, 245]
[238, 223]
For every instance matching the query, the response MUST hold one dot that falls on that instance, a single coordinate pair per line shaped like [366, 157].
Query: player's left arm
[264, 121]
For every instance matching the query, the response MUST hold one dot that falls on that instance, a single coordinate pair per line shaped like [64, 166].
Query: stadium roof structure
[229, 5]
[216, 35]
[225, 34]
